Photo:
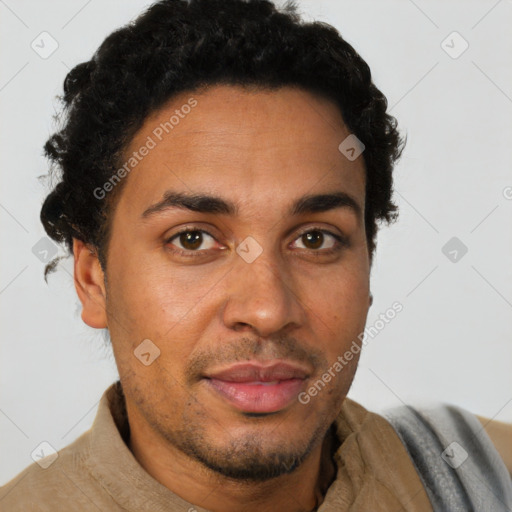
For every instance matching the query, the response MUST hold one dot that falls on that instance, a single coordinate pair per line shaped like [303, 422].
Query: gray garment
[458, 464]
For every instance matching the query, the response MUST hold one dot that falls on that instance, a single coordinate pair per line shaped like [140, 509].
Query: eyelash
[342, 242]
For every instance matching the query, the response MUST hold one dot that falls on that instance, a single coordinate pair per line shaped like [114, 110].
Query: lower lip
[258, 397]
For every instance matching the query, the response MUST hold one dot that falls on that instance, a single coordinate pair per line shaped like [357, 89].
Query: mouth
[254, 388]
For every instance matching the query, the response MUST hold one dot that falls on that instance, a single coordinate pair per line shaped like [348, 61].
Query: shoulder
[501, 436]
[455, 456]
[54, 481]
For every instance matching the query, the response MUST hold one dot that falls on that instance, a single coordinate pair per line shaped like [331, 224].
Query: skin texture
[261, 150]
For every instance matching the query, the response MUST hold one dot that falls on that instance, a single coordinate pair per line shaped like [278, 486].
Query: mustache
[253, 349]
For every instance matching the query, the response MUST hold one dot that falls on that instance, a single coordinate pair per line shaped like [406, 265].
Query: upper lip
[253, 371]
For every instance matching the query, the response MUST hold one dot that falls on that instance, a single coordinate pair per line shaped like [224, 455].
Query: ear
[90, 285]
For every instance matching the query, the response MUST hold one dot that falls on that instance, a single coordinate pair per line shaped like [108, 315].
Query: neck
[300, 491]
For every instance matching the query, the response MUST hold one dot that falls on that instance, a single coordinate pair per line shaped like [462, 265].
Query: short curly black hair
[180, 45]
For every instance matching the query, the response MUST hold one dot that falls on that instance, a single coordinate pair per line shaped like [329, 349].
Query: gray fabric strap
[455, 458]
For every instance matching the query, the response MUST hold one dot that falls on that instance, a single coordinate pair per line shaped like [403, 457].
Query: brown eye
[191, 240]
[315, 238]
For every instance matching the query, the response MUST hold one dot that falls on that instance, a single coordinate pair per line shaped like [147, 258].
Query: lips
[250, 372]
[252, 387]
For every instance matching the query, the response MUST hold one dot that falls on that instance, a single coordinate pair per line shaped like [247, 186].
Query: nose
[262, 297]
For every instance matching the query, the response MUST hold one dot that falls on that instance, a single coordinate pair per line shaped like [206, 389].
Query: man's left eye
[316, 237]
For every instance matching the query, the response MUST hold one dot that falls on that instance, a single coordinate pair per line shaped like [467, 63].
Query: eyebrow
[203, 203]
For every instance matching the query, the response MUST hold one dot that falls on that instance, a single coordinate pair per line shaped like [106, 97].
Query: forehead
[256, 148]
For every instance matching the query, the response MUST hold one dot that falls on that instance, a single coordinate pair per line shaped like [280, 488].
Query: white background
[452, 342]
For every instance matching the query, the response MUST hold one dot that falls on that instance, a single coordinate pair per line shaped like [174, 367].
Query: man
[222, 170]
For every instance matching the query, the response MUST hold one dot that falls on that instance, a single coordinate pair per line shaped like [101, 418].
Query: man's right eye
[190, 241]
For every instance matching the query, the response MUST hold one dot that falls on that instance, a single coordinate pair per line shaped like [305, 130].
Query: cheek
[169, 310]
[341, 296]
[339, 307]
[152, 295]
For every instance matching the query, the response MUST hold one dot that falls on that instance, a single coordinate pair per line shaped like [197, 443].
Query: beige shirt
[98, 472]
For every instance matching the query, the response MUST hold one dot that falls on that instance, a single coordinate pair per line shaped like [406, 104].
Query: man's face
[222, 313]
